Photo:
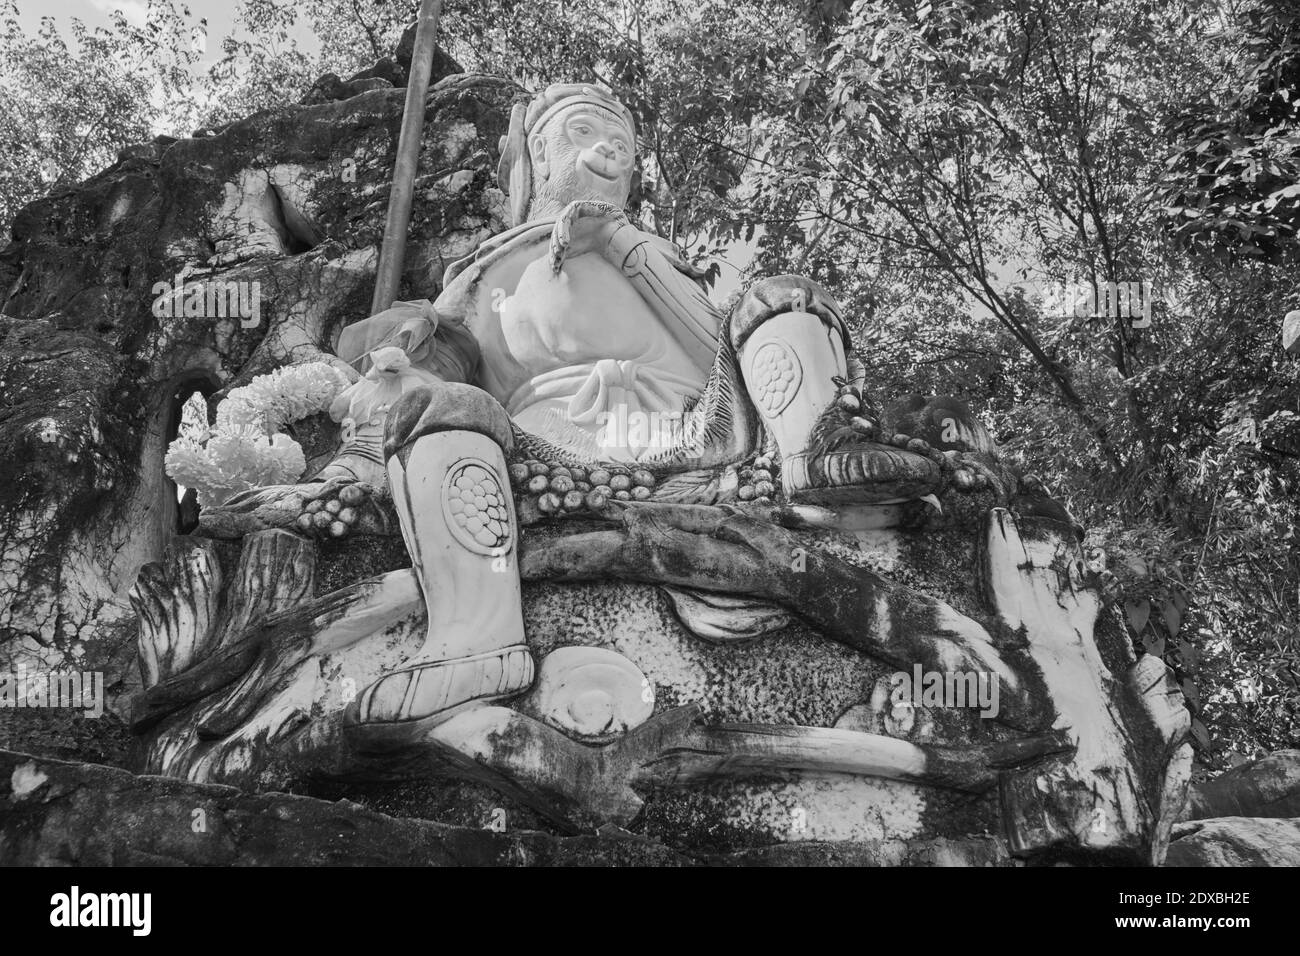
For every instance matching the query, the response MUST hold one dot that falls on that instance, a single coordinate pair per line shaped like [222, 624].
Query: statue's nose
[605, 150]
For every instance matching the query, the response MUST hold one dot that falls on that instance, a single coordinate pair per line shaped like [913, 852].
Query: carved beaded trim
[776, 374]
[476, 508]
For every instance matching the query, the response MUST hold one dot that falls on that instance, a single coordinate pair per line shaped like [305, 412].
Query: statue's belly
[601, 375]
[588, 312]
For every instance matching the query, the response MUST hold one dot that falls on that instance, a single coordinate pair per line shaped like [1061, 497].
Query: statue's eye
[582, 129]
[620, 146]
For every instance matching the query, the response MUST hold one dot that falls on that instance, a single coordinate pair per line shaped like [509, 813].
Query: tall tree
[69, 102]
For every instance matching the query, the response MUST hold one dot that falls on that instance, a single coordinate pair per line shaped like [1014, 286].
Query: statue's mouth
[607, 177]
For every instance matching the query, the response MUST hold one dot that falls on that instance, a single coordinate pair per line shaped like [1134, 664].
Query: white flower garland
[245, 448]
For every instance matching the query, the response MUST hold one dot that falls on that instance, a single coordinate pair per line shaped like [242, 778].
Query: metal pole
[392, 254]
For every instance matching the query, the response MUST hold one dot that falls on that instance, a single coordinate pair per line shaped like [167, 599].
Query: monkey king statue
[729, 545]
[574, 320]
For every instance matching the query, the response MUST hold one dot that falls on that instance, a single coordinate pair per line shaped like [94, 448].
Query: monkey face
[605, 154]
[585, 153]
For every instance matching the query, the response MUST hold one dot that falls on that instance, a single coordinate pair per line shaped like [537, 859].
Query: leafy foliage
[264, 65]
[68, 106]
[1232, 185]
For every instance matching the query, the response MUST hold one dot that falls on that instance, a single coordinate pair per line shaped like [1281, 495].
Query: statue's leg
[790, 355]
[360, 458]
[792, 345]
[444, 446]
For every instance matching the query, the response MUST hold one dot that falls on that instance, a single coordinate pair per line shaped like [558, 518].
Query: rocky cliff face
[289, 203]
[55, 813]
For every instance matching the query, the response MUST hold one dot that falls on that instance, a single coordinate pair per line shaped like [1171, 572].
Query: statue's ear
[537, 152]
[514, 172]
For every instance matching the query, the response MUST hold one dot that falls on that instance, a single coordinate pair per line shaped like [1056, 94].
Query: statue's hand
[584, 225]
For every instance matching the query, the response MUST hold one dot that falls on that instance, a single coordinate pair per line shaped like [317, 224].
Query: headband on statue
[514, 172]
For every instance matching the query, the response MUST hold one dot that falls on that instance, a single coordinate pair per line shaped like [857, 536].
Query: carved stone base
[649, 715]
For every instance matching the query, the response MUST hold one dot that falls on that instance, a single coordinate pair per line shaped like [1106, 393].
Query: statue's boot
[792, 344]
[448, 477]
[359, 458]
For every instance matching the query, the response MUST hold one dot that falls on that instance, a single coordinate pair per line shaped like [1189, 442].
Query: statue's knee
[777, 295]
[443, 407]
